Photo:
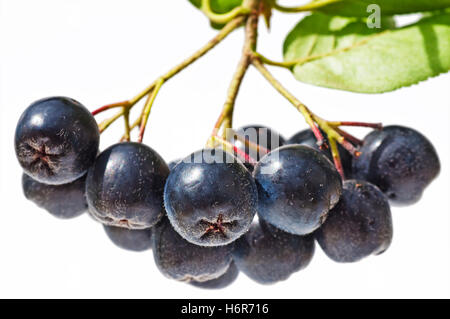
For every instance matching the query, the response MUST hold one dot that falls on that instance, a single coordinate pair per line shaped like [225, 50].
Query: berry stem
[377, 126]
[223, 33]
[233, 149]
[148, 107]
[126, 117]
[132, 127]
[106, 123]
[336, 157]
[225, 119]
[109, 107]
[249, 143]
[226, 30]
[225, 17]
[307, 7]
[307, 114]
[349, 137]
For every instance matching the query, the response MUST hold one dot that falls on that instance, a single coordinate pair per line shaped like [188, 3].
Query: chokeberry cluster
[198, 214]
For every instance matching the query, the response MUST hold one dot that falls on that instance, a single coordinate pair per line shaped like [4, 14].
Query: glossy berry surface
[63, 201]
[306, 137]
[260, 135]
[297, 186]
[400, 161]
[178, 259]
[125, 186]
[210, 201]
[173, 163]
[130, 239]
[56, 140]
[268, 255]
[223, 281]
[359, 226]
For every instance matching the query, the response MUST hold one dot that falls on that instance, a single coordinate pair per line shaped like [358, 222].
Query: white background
[104, 51]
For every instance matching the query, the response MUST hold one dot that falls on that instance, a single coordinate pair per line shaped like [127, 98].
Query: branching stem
[307, 114]
[249, 13]
[223, 33]
[225, 119]
[148, 107]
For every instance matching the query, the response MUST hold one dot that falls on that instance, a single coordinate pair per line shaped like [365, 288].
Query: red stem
[349, 137]
[339, 167]
[141, 133]
[349, 147]
[239, 152]
[108, 107]
[377, 126]
[319, 136]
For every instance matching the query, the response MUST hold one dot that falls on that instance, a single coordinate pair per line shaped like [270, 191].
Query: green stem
[251, 33]
[226, 30]
[106, 123]
[336, 157]
[135, 124]
[307, 7]
[307, 114]
[148, 107]
[224, 17]
[126, 117]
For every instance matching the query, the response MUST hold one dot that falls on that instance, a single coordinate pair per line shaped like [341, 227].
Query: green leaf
[344, 54]
[219, 6]
[388, 7]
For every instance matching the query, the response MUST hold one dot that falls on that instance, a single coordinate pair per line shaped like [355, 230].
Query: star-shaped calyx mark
[41, 156]
[216, 227]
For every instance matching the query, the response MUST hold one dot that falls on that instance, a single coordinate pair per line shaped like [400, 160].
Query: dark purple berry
[130, 239]
[173, 163]
[62, 201]
[297, 187]
[222, 282]
[359, 226]
[210, 201]
[178, 259]
[268, 255]
[400, 161]
[56, 140]
[125, 186]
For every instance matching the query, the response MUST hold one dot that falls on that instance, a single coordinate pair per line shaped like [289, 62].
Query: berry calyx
[56, 140]
[210, 198]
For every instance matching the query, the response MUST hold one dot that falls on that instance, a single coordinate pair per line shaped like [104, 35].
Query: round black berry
[400, 161]
[268, 255]
[62, 201]
[359, 226]
[222, 282]
[210, 198]
[56, 140]
[297, 186]
[263, 136]
[306, 137]
[178, 259]
[173, 163]
[125, 186]
[130, 239]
